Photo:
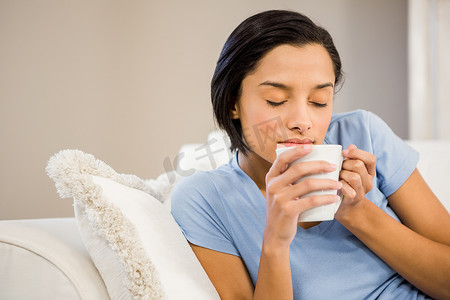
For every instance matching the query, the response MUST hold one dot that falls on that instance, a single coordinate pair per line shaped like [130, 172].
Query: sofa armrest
[46, 259]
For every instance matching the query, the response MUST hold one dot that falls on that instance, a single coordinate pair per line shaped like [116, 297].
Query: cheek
[322, 124]
[253, 119]
[263, 131]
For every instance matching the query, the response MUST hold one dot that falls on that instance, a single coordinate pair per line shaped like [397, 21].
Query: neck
[255, 167]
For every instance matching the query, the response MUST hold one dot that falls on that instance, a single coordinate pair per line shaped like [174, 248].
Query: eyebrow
[324, 85]
[285, 87]
[275, 84]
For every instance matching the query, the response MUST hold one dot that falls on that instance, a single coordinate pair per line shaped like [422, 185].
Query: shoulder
[361, 119]
[356, 118]
[200, 181]
[198, 208]
[367, 131]
[195, 198]
[359, 126]
[202, 185]
[358, 114]
[395, 159]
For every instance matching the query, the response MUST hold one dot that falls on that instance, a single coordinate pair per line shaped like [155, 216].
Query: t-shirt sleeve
[197, 209]
[396, 160]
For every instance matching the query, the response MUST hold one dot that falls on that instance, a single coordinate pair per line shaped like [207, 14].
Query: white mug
[331, 154]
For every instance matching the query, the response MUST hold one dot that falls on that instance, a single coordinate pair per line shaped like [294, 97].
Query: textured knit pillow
[132, 238]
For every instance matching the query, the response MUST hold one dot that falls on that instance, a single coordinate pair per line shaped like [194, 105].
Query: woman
[274, 84]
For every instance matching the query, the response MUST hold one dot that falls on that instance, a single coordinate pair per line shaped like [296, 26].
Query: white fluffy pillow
[132, 238]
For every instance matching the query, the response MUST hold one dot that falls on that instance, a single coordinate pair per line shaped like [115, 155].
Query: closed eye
[274, 104]
[319, 104]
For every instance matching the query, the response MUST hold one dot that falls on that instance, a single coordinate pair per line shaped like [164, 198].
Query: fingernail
[339, 184]
[345, 152]
[307, 146]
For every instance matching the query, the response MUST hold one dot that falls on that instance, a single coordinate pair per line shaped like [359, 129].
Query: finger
[370, 160]
[347, 191]
[285, 158]
[309, 202]
[304, 187]
[353, 179]
[298, 170]
[358, 166]
[295, 207]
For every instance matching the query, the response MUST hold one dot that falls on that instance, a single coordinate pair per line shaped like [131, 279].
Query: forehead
[295, 65]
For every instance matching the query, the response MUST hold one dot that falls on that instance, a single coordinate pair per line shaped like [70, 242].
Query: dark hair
[246, 46]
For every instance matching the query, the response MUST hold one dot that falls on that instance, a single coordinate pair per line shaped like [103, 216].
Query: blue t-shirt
[225, 211]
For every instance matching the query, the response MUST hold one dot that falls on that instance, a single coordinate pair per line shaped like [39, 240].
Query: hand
[358, 171]
[285, 198]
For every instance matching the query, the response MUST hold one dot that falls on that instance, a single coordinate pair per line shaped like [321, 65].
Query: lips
[295, 142]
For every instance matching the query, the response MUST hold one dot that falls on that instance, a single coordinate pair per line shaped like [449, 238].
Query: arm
[227, 272]
[418, 249]
[230, 277]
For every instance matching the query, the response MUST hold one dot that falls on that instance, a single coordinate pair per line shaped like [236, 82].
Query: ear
[235, 112]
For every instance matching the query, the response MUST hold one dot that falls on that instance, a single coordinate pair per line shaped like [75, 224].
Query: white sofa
[47, 259]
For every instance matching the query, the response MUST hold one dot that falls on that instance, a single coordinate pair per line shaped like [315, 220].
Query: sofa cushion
[132, 238]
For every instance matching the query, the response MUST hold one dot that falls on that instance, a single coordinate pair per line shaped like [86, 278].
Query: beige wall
[128, 81]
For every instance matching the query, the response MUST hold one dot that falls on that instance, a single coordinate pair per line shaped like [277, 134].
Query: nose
[299, 119]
